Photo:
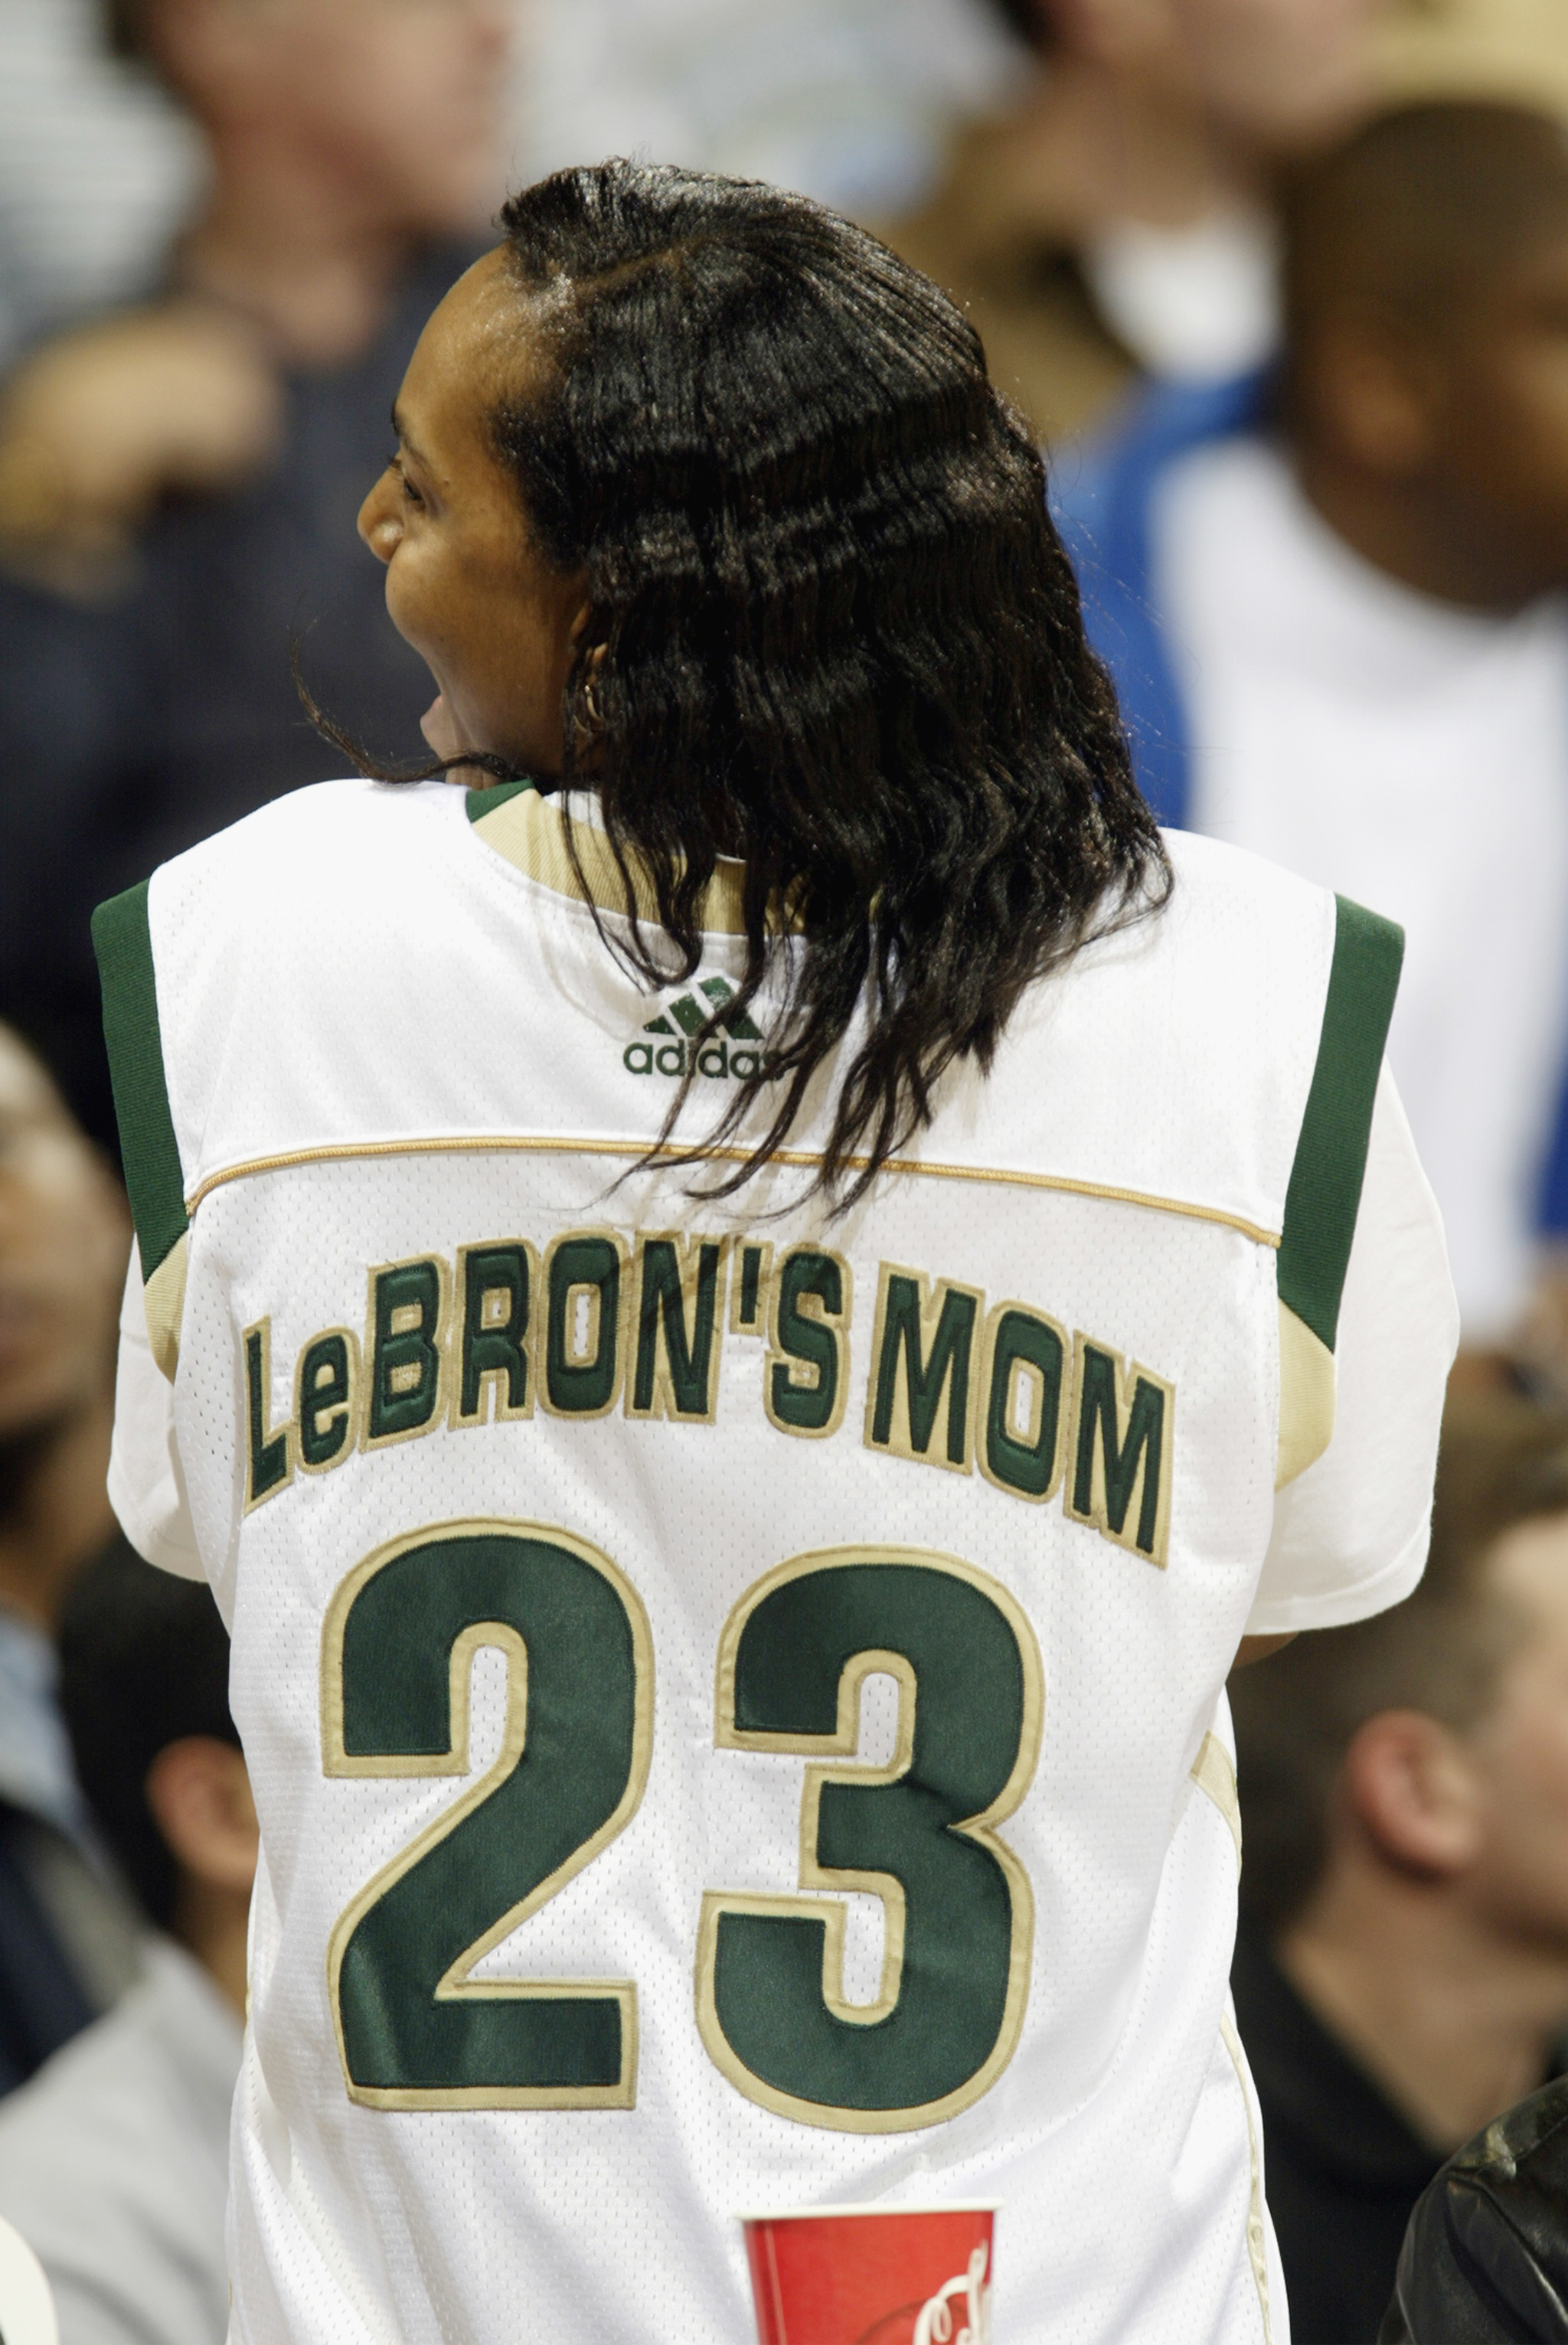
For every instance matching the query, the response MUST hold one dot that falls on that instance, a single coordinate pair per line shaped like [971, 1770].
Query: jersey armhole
[155, 1184]
[1324, 1195]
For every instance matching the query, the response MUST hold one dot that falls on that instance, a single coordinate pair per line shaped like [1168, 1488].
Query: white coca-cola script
[934, 2326]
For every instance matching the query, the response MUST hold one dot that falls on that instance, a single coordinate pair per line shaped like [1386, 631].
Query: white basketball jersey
[734, 1697]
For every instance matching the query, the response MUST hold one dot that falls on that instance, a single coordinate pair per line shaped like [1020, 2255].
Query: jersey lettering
[1025, 1357]
[1121, 1449]
[643, 1323]
[679, 1292]
[807, 1372]
[923, 1348]
[269, 1452]
[584, 1284]
[326, 1397]
[749, 1291]
[495, 1289]
[407, 1348]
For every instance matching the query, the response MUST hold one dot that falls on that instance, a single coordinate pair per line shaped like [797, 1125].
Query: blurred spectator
[847, 100]
[1485, 2258]
[1117, 218]
[67, 1942]
[1336, 624]
[114, 2162]
[97, 170]
[1401, 1966]
[178, 485]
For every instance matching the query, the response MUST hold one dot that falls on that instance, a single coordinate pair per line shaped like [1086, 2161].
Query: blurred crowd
[1282, 285]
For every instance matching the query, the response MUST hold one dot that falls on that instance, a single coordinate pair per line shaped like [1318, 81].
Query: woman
[819, 1049]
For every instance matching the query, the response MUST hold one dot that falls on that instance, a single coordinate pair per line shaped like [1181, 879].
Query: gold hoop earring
[591, 705]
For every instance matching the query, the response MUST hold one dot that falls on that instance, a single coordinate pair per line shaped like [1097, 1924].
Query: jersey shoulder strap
[1324, 1195]
[175, 954]
[149, 1150]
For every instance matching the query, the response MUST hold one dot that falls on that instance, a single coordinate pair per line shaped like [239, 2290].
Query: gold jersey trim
[1257, 2236]
[1214, 1773]
[533, 1144]
[529, 832]
[1307, 1397]
[163, 1302]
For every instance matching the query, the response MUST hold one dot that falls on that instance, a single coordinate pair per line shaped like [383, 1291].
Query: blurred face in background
[1426, 295]
[1276, 74]
[1129, 33]
[401, 100]
[1272, 74]
[64, 1238]
[1499, 406]
[1518, 1755]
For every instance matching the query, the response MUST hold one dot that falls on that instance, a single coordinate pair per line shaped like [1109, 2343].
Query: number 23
[416, 2031]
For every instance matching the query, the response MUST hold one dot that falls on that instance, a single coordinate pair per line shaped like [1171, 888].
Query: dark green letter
[406, 1361]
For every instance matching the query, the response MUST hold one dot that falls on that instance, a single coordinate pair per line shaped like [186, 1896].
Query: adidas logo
[665, 1046]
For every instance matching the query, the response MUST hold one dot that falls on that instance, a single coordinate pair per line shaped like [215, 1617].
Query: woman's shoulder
[1174, 1054]
[1227, 923]
[304, 828]
[1233, 880]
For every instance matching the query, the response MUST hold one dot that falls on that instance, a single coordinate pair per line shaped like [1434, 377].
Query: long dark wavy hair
[832, 631]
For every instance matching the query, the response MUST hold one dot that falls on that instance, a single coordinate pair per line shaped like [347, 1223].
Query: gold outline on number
[843, 1739]
[455, 1983]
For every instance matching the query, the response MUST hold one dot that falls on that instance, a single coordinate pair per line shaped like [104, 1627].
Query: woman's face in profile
[466, 584]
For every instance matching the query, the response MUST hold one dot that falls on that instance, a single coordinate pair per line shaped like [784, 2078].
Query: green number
[919, 1833]
[415, 2029]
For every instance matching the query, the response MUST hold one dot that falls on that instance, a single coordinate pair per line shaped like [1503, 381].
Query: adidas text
[666, 1045]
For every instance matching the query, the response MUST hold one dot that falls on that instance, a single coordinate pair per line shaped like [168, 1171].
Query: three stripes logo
[666, 1045]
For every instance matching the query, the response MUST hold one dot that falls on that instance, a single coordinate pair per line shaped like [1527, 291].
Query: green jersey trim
[154, 1181]
[485, 801]
[1325, 1192]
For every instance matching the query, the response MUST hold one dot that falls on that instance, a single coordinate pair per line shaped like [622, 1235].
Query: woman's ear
[1410, 1787]
[593, 668]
